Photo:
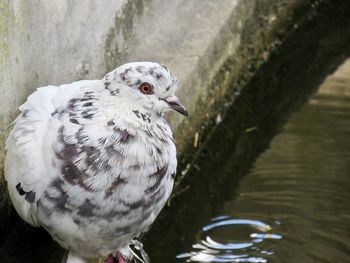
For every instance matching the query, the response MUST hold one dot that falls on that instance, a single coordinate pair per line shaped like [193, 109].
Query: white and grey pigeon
[93, 162]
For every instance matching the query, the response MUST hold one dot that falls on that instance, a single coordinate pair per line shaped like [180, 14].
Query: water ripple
[245, 250]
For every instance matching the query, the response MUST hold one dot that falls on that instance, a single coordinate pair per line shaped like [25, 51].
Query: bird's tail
[71, 257]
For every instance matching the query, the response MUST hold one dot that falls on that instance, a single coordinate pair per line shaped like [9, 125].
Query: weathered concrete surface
[215, 48]
[49, 42]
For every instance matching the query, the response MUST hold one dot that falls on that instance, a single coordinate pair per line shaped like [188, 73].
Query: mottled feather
[93, 161]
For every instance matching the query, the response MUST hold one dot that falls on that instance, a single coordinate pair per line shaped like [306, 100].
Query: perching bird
[93, 162]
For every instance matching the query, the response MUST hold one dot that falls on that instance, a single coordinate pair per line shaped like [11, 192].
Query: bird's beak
[175, 104]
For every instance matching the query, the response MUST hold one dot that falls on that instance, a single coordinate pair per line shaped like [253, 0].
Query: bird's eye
[146, 88]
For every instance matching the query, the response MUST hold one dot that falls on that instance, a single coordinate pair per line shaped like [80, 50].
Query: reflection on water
[294, 204]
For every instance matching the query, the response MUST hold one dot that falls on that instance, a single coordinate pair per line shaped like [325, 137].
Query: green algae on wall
[260, 27]
[118, 41]
[5, 17]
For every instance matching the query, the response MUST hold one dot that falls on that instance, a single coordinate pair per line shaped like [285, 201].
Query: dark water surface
[294, 204]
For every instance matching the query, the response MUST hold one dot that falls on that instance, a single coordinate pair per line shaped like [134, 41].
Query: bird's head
[146, 85]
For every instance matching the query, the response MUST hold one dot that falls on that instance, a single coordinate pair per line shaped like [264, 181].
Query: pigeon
[93, 162]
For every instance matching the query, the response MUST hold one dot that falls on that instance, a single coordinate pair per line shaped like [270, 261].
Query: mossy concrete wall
[215, 48]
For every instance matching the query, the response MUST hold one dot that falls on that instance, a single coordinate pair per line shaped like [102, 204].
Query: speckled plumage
[93, 162]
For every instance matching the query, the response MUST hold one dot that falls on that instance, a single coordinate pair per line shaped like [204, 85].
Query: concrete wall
[50, 42]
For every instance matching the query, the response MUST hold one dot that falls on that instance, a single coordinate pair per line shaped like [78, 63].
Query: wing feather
[29, 147]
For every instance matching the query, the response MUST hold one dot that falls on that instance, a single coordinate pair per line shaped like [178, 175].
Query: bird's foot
[120, 259]
[116, 259]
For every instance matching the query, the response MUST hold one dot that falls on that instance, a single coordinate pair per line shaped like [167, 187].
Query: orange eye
[146, 88]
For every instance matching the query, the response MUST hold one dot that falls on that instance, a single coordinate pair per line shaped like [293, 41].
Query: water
[294, 203]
